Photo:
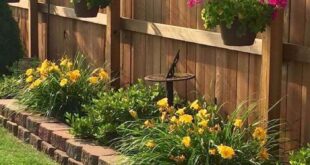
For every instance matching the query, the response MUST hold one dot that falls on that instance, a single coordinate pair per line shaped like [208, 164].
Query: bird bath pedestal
[170, 78]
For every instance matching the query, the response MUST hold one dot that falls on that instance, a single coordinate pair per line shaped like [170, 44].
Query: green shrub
[113, 108]
[57, 89]
[301, 157]
[197, 134]
[10, 44]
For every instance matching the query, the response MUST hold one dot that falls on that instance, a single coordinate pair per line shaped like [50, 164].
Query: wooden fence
[153, 30]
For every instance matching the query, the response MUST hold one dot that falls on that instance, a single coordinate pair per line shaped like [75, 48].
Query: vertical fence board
[209, 63]
[200, 70]
[126, 49]
[294, 102]
[21, 17]
[305, 114]
[33, 28]
[254, 85]
[242, 78]
[294, 91]
[139, 42]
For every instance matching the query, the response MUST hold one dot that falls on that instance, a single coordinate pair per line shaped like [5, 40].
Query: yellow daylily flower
[203, 114]
[150, 144]
[29, 72]
[35, 84]
[134, 114]
[103, 75]
[148, 124]
[260, 134]
[203, 123]
[263, 154]
[212, 151]
[63, 82]
[186, 119]
[93, 80]
[186, 141]
[174, 119]
[74, 75]
[181, 111]
[163, 103]
[226, 152]
[29, 79]
[195, 105]
[238, 123]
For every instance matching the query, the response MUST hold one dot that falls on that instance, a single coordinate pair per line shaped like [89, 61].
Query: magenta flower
[278, 3]
[192, 3]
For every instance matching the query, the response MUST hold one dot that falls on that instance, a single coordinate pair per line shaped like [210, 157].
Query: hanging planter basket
[232, 38]
[82, 10]
[12, 1]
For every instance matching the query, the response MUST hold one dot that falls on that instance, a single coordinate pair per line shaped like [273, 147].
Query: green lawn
[14, 152]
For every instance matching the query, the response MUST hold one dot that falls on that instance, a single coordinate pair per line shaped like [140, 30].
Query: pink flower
[192, 3]
[278, 3]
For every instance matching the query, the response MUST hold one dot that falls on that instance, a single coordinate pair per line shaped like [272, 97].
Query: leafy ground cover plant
[59, 88]
[115, 107]
[197, 134]
[301, 157]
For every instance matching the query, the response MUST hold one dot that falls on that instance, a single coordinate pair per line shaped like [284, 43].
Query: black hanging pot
[231, 37]
[82, 10]
[12, 1]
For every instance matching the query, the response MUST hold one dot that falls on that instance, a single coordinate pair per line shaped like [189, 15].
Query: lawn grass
[14, 152]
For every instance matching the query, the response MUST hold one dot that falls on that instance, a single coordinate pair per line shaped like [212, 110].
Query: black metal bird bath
[170, 78]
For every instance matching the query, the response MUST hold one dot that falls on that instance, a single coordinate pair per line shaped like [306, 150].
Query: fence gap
[33, 28]
[113, 45]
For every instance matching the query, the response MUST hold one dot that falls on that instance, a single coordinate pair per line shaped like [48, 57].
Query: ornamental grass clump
[114, 108]
[56, 89]
[197, 134]
[10, 86]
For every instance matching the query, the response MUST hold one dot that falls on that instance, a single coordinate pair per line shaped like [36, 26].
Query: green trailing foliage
[252, 14]
[115, 107]
[10, 45]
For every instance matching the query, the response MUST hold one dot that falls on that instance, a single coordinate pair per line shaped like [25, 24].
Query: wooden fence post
[112, 50]
[270, 91]
[33, 28]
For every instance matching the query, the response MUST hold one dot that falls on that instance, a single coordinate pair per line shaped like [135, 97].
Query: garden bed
[52, 137]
